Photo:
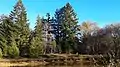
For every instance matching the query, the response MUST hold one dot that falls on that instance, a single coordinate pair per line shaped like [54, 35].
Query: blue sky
[101, 11]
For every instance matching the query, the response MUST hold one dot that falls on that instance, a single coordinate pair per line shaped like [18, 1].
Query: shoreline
[50, 59]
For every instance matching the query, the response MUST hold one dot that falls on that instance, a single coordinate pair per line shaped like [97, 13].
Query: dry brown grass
[52, 58]
[6, 64]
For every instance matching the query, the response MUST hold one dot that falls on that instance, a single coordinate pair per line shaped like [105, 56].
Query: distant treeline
[58, 34]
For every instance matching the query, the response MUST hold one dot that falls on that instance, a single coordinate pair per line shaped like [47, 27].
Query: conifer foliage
[36, 43]
[59, 34]
[19, 18]
[67, 23]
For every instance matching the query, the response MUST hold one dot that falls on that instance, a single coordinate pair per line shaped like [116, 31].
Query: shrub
[13, 51]
[1, 53]
[35, 51]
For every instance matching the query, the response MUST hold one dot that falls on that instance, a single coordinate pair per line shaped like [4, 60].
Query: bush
[1, 53]
[35, 48]
[35, 51]
[4, 51]
[13, 51]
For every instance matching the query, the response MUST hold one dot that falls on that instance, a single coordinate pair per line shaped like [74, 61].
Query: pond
[71, 65]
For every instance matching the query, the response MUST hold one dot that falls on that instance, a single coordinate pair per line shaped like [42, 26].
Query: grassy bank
[20, 62]
[51, 59]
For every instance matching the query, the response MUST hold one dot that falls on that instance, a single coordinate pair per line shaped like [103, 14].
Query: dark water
[70, 65]
[75, 66]
[66, 66]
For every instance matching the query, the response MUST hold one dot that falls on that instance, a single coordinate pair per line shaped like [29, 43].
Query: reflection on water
[65, 66]
[74, 66]
[71, 65]
[68, 65]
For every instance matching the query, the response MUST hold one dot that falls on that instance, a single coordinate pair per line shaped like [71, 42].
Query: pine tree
[67, 23]
[8, 33]
[19, 17]
[36, 46]
[3, 40]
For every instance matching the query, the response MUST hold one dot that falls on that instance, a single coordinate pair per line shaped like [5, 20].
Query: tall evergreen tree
[3, 40]
[8, 32]
[67, 23]
[36, 46]
[19, 17]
